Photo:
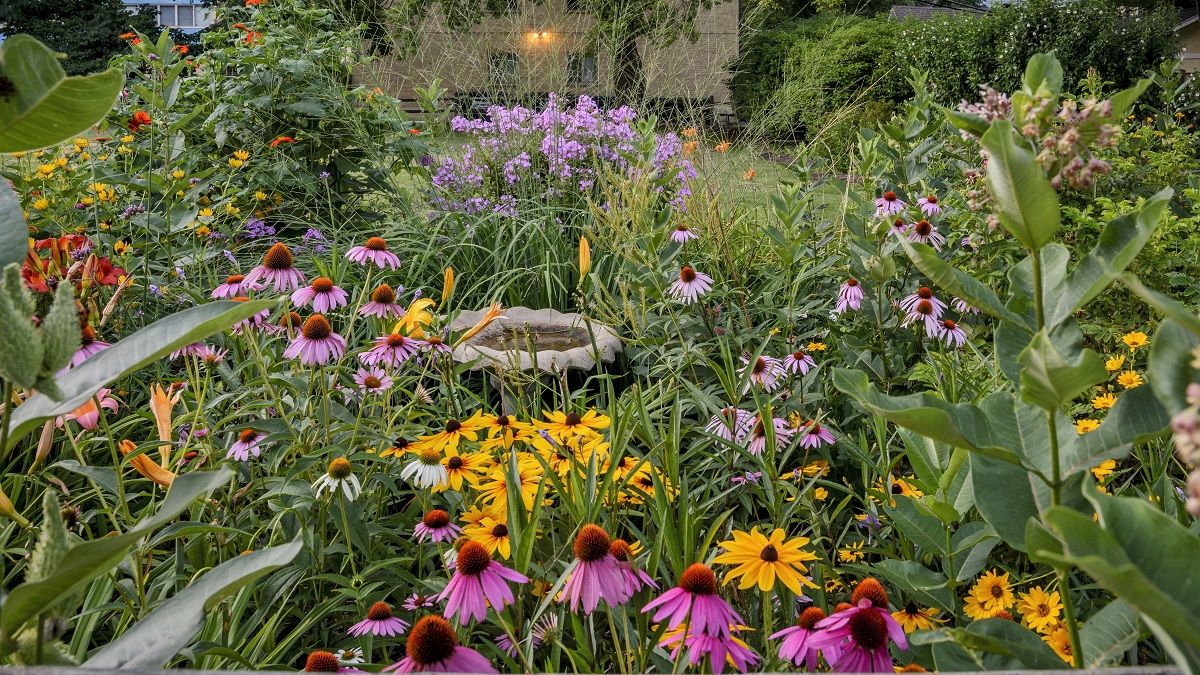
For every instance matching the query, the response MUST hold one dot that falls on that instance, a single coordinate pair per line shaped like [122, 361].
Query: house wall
[1189, 46]
[544, 36]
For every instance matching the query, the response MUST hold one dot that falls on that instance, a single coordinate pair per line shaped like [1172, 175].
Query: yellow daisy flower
[816, 347]
[493, 534]
[1135, 340]
[1115, 363]
[1104, 469]
[562, 426]
[851, 553]
[455, 432]
[994, 591]
[1060, 641]
[1084, 426]
[761, 560]
[1129, 379]
[912, 618]
[462, 468]
[1039, 609]
[1104, 401]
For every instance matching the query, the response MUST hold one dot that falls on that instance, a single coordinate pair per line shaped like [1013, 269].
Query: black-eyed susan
[503, 431]
[1039, 609]
[492, 533]
[493, 490]
[994, 591]
[761, 560]
[912, 618]
[462, 468]
[454, 433]
[1060, 641]
[398, 448]
[851, 553]
[562, 426]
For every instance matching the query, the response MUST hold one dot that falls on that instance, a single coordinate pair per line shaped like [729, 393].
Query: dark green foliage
[85, 30]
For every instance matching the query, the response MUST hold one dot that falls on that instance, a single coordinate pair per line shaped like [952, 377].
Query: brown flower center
[234, 278]
[872, 590]
[503, 421]
[925, 293]
[769, 554]
[431, 641]
[592, 543]
[379, 611]
[340, 468]
[473, 559]
[372, 382]
[278, 257]
[931, 199]
[809, 617]
[436, 519]
[760, 365]
[383, 294]
[619, 548]
[687, 274]
[997, 592]
[376, 244]
[868, 629]
[321, 662]
[798, 355]
[923, 228]
[949, 324]
[699, 580]
[400, 443]
[453, 426]
[500, 531]
[290, 320]
[316, 327]
[88, 335]
[395, 340]
[889, 196]
[924, 307]
[454, 463]
[852, 282]
[573, 419]
[247, 435]
[322, 284]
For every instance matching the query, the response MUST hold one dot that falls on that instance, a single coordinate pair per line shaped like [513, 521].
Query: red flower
[414, 132]
[253, 3]
[252, 37]
[140, 119]
[108, 274]
[182, 49]
[281, 139]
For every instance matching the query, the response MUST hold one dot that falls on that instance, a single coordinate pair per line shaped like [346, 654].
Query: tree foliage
[85, 30]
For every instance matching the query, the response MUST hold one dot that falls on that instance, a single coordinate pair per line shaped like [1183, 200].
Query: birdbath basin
[536, 340]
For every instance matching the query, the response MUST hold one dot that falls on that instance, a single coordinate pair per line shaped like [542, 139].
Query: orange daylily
[447, 286]
[146, 466]
[162, 403]
[488, 317]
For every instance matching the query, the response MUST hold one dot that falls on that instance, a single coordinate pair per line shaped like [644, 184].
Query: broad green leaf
[972, 124]
[1140, 555]
[1173, 309]
[1120, 242]
[925, 585]
[1170, 368]
[1028, 206]
[1137, 416]
[14, 233]
[1043, 75]
[1109, 633]
[1004, 497]
[917, 525]
[1049, 380]
[1123, 100]
[92, 558]
[161, 634]
[960, 425]
[47, 107]
[1019, 647]
[946, 276]
[129, 355]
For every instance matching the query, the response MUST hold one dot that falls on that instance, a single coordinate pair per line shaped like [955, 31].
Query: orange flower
[252, 37]
[488, 317]
[140, 119]
[240, 26]
[253, 3]
[723, 146]
[750, 174]
[182, 49]
[281, 139]
[126, 36]
[146, 466]
[162, 403]
[414, 132]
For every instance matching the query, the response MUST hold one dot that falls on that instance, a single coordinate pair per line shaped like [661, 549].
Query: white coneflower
[350, 657]
[426, 470]
[339, 474]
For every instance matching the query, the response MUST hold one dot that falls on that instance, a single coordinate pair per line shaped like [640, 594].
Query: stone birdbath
[536, 342]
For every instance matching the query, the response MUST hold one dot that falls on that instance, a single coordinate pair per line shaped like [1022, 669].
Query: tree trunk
[629, 82]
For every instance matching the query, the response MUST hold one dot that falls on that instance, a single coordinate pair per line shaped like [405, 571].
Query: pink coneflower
[235, 285]
[861, 632]
[478, 582]
[850, 296]
[432, 647]
[506, 644]
[325, 662]
[923, 293]
[681, 234]
[212, 356]
[796, 645]
[379, 622]
[596, 575]
[962, 307]
[197, 349]
[437, 527]
[695, 601]
[277, 269]
[758, 435]
[316, 344]
[951, 333]
[718, 650]
[690, 285]
[383, 304]
[815, 436]
[323, 295]
[888, 204]
[89, 346]
[635, 578]
[88, 415]
[246, 445]
[372, 380]
[437, 345]
[417, 601]
[922, 306]
[764, 371]
[923, 232]
[376, 252]
[731, 423]
[899, 226]
[798, 363]
[929, 205]
[391, 350]
[253, 321]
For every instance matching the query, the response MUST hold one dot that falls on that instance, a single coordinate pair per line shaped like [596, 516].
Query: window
[504, 70]
[581, 69]
[182, 16]
[574, 5]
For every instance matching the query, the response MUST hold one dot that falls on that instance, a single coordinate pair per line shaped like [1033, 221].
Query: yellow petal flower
[416, 317]
[585, 258]
[447, 286]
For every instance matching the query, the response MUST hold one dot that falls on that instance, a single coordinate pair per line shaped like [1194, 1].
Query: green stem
[1069, 617]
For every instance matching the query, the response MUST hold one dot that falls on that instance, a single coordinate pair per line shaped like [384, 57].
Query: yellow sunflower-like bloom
[563, 426]
[912, 618]
[761, 560]
[994, 591]
[492, 534]
[1039, 609]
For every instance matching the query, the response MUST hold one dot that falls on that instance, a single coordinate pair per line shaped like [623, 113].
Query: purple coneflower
[316, 344]
[596, 575]
[962, 307]
[253, 321]
[681, 234]
[197, 349]
[213, 356]
[952, 333]
[888, 204]
[325, 662]
[478, 582]
[899, 226]
[376, 252]
[695, 600]
[323, 295]
[383, 303]
[798, 363]
[758, 435]
[690, 285]
[861, 632]
[815, 436]
[923, 232]
[437, 345]
[89, 346]
[922, 306]
[372, 380]
[635, 578]
[277, 269]
[718, 650]
[432, 647]
[929, 205]
[850, 296]
[235, 285]
[796, 646]
[391, 350]
[379, 622]
[764, 371]
[731, 424]
[246, 445]
[417, 601]
[437, 527]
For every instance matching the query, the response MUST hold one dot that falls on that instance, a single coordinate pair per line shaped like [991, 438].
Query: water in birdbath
[543, 338]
